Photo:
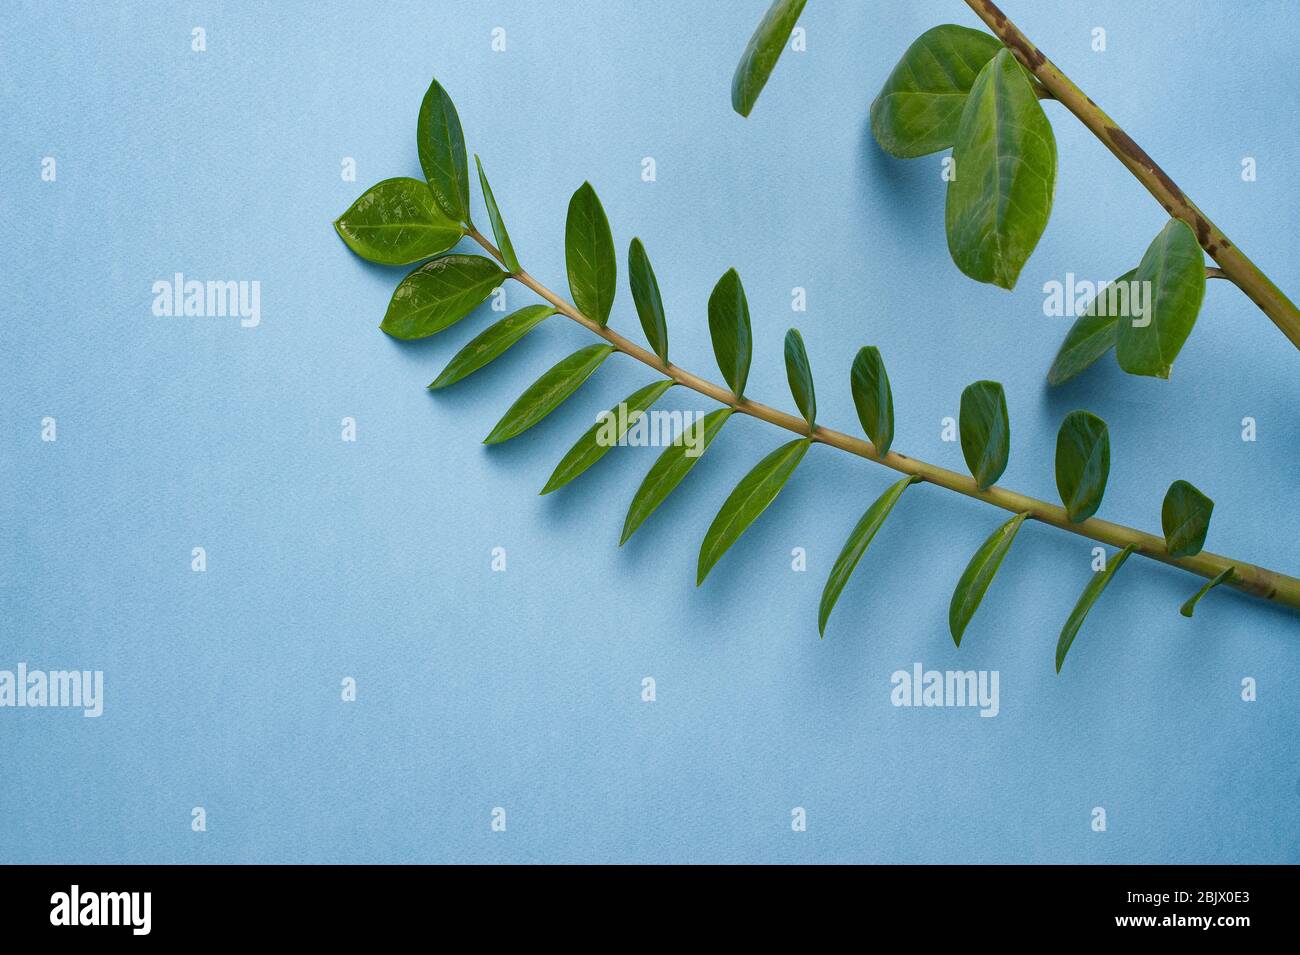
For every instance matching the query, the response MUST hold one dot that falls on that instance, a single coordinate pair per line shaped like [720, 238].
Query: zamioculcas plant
[979, 94]
[405, 220]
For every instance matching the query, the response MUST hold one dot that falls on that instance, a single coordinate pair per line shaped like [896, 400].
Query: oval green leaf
[397, 222]
[977, 576]
[856, 546]
[1173, 269]
[1086, 599]
[762, 52]
[872, 397]
[1185, 517]
[547, 393]
[799, 374]
[1005, 158]
[589, 255]
[985, 431]
[605, 434]
[1093, 333]
[649, 304]
[439, 294]
[504, 245]
[671, 467]
[1082, 463]
[442, 152]
[491, 343]
[1223, 575]
[729, 329]
[750, 498]
[920, 105]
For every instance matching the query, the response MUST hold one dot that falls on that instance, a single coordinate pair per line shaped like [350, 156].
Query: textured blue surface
[522, 689]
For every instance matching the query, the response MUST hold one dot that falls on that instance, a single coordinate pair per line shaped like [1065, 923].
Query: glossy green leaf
[1185, 517]
[547, 393]
[750, 498]
[985, 431]
[442, 152]
[977, 576]
[762, 52]
[589, 255]
[1092, 334]
[604, 434]
[504, 245]
[649, 304]
[1175, 268]
[856, 546]
[1086, 599]
[1082, 463]
[439, 294]
[491, 343]
[1222, 577]
[1005, 157]
[729, 329]
[872, 397]
[920, 105]
[799, 374]
[671, 467]
[397, 222]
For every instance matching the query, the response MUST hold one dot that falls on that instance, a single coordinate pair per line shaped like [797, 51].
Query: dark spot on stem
[1125, 144]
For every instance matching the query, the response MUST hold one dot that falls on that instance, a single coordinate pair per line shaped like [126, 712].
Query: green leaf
[977, 576]
[439, 294]
[985, 431]
[729, 329]
[504, 245]
[799, 374]
[1005, 158]
[920, 105]
[1091, 335]
[1194, 599]
[491, 343]
[1082, 463]
[1086, 599]
[589, 255]
[762, 52]
[649, 304]
[750, 498]
[856, 546]
[547, 393]
[1175, 268]
[670, 467]
[1185, 517]
[397, 222]
[874, 400]
[605, 434]
[442, 152]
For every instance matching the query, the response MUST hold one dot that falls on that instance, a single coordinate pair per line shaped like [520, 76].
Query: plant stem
[1258, 581]
[1234, 263]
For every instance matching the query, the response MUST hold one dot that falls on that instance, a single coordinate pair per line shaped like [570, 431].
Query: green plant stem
[1258, 581]
[1234, 263]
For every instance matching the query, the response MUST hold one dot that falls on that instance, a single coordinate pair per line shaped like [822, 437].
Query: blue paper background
[522, 689]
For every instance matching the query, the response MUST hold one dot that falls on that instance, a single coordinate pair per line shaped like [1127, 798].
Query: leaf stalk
[1257, 581]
